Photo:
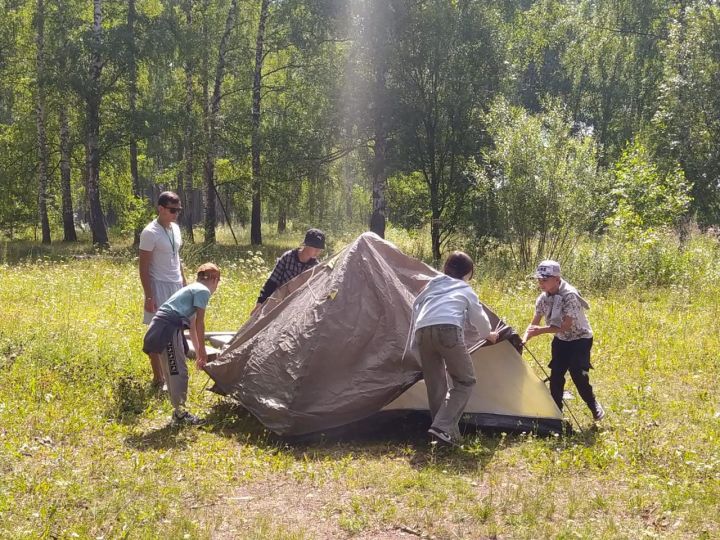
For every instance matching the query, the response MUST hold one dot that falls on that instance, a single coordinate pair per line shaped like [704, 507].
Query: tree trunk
[282, 219]
[214, 109]
[379, 170]
[132, 83]
[69, 234]
[44, 158]
[93, 99]
[255, 220]
[186, 192]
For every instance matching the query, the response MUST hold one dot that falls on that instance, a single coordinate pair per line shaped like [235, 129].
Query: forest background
[513, 126]
[587, 131]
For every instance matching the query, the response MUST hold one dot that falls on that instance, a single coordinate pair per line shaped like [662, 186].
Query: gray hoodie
[447, 300]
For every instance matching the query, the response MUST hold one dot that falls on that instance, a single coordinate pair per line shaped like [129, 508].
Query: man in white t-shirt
[161, 272]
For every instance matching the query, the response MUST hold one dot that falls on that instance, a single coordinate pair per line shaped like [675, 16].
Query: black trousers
[572, 356]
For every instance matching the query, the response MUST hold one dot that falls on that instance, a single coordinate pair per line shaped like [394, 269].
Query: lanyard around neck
[171, 238]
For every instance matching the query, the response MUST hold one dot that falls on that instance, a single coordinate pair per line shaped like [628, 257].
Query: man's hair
[167, 197]
[207, 271]
[458, 265]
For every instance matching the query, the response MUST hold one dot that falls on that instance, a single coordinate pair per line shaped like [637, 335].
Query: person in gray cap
[564, 311]
[292, 263]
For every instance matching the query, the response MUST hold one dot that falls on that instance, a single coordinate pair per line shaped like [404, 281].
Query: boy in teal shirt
[165, 340]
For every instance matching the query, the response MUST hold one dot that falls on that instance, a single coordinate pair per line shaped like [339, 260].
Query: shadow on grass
[376, 437]
[164, 438]
[130, 400]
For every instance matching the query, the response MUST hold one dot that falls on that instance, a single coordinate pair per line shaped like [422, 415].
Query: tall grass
[86, 452]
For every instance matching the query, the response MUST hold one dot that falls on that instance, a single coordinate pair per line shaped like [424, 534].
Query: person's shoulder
[151, 227]
[148, 236]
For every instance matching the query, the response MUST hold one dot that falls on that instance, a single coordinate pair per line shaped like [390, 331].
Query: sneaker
[598, 412]
[186, 419]
[440, 435]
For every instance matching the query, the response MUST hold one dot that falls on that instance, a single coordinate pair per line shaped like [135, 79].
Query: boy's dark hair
[458, 265]
[167, 197]
[208, 271]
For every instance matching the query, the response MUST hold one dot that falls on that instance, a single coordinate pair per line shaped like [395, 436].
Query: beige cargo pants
[443, 353]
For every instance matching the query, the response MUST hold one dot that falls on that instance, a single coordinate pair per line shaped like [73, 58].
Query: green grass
[86, 452]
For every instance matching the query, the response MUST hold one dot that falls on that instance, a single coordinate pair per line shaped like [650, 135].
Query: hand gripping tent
[327, 347]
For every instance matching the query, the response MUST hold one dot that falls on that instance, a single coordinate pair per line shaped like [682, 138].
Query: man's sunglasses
[172, 209]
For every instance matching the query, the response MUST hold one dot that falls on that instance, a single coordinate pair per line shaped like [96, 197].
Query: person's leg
[451, 343]
[157, 371]
[161, 292]
[580, 372]
[433, 369]
[175, 372]
[558, 369]
[156, 365]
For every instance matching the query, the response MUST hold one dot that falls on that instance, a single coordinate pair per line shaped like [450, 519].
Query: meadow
[86, 450]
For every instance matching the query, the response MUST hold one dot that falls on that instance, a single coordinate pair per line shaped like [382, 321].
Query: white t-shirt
[165, 247]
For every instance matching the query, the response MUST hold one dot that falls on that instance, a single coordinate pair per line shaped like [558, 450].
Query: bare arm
[197, 336]
[149, 302]
[535, 330]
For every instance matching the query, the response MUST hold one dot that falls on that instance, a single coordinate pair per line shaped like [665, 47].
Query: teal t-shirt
[187, 300]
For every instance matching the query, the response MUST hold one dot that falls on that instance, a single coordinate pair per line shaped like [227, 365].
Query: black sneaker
[185, 419]
[598, 412]
[438, 435]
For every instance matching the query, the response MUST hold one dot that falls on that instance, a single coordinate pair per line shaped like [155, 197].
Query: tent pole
[547, 377]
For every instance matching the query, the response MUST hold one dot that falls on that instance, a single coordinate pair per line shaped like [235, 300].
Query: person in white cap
[564, 311]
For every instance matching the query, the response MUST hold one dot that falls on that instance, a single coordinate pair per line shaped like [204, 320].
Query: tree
[255, 223]
[545, 178]
[643, 196]
[93, 98]
[43, 157]
[211, 109]
[685, 129]
[446, 71]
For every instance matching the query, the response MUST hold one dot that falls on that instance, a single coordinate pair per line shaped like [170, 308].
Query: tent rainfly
[326, 350]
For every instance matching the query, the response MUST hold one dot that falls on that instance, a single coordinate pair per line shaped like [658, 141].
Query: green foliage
[408, 200]
[644, 197]
[546, 180]
[85, 450]
[686, 124]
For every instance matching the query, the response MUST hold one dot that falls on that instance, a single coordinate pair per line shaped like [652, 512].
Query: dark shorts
[573, 354]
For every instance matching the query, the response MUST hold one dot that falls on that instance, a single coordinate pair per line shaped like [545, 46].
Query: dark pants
[572, 356]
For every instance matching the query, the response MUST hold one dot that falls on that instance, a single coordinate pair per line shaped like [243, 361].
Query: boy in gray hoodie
[564, 311]
[439, 315]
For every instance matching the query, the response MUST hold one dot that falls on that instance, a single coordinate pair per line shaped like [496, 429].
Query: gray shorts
[162, 290]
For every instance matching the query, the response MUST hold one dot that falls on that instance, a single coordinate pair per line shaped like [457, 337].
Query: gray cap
[547, 269]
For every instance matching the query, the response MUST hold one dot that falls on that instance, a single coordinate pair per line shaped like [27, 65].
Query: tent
[326, 350]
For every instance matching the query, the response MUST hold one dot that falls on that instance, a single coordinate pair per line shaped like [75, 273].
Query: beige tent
[326, 350]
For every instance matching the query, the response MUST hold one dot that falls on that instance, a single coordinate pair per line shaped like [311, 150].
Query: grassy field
[86, 451]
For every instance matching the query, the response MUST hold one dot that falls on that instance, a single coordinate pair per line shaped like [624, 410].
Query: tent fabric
[508, 395]
[327, 347]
